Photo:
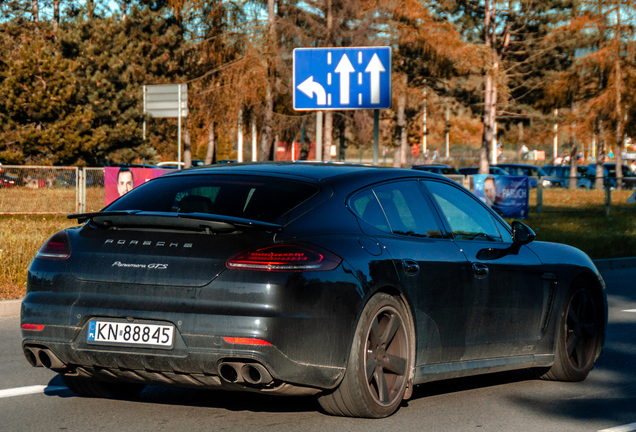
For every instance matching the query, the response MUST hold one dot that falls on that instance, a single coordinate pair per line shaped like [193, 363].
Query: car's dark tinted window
[250, 197]
[449, 171]
[467, 218]
[398, 207]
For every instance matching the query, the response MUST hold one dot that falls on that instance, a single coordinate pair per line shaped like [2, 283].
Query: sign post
[167, 101]
[343, 79]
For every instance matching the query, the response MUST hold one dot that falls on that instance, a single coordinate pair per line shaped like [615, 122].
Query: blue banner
[507, 195]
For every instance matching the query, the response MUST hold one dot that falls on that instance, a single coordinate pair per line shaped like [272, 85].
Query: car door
[508, 288]
[434, 273]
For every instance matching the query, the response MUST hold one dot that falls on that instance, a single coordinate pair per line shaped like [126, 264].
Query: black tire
[579, 336]
[380, 364]
[102, 389]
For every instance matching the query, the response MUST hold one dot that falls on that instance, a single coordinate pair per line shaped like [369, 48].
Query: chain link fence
[50, 190]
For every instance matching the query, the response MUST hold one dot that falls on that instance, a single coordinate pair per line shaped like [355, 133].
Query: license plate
[123, 333]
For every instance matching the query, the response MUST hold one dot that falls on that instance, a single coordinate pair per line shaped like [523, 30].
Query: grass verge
[20, 238]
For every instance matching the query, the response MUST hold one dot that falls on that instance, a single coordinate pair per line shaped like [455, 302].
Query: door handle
[480, 270]
[411, 267]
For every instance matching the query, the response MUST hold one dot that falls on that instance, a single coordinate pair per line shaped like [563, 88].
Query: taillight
[285, 257]
[33, 327]
[245, 341]
[57, 247]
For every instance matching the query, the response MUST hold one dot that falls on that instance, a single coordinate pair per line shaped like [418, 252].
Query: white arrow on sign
[375, 68]
[344, 68]
[309, 87]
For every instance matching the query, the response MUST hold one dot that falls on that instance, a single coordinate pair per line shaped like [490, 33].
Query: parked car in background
[7, 180]
[475, 170]
[442, 169]
[237, 278]
[583, 180]
[175, 165]
[226, 161]
[609, 172]
[533, 172]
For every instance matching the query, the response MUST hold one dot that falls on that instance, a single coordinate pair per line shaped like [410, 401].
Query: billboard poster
[121, 180]
[507, 195]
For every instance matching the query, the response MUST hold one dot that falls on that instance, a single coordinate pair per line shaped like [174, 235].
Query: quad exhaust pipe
[43, 357]
[245, 373]
[254, 374]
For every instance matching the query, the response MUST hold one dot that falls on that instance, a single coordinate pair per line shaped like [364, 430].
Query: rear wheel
[380, 363]
[580, 334]
[102, 389]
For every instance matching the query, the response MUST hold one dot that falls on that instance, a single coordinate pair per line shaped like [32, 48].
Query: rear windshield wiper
[202, 222]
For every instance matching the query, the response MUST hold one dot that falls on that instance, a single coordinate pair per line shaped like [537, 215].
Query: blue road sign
[342, 78]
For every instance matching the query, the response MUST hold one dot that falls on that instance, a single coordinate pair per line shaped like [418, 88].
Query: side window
[466, 216]
[366, 205]
[399, 207]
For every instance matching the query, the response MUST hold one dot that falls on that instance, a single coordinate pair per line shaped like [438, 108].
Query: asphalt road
[34, 399]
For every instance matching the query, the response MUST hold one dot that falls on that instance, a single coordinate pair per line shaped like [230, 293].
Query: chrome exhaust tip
[256, 374]
[32, 356]
[50, 360]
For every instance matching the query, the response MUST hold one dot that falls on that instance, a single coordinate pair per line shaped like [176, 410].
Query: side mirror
[521, 233]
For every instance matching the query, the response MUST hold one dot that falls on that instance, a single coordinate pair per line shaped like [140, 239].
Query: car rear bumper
[308, 328]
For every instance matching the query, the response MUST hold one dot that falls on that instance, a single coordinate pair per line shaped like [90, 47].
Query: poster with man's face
[119, 181]
[507, 195]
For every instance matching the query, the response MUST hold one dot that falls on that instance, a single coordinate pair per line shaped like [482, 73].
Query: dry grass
[20, 239]
[577, 218]
[48, 200]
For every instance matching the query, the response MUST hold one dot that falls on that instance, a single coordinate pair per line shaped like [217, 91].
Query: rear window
[250, 197]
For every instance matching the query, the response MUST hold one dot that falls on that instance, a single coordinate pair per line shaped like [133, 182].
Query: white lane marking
[625, 428]
[21, 391]
[629, 310]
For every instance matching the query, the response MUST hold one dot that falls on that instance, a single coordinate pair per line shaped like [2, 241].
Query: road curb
[10, 308]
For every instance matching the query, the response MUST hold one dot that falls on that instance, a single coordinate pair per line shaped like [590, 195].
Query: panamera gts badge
[151, 266]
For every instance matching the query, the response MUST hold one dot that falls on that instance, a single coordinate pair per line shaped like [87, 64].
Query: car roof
[308, 171]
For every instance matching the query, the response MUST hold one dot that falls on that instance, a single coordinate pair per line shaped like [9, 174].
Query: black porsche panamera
[349, 283]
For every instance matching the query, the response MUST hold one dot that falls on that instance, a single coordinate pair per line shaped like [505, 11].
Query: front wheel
[379, 369]
[102, 389]
[580, 334]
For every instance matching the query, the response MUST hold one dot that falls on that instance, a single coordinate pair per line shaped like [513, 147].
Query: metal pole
[144, 128]
[424, 143]
[376, 136]
[319, 136]
[556, 135]
[447, 132]
[179, 131]
[240, 137]
[539, 197]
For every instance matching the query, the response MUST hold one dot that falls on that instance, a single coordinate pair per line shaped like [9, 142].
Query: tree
[429, 52]
[515, 39]
[77, 99]
[598, 80]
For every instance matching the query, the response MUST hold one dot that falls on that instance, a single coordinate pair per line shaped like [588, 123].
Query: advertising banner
[121, 180]
[505, 194]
